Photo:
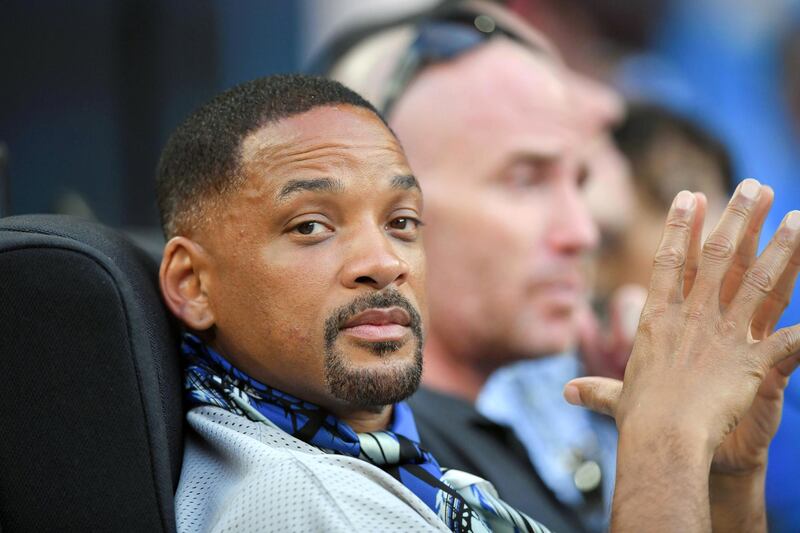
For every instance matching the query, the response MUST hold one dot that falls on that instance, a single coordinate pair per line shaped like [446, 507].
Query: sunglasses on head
[438, 40]
[441, 34]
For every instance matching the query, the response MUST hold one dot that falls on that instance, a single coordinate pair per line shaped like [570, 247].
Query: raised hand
[706, 374]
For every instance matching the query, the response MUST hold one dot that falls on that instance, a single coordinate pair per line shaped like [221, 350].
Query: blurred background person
[667, 153]
[575, 452]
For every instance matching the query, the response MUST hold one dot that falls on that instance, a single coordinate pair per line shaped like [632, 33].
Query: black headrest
[90, 386]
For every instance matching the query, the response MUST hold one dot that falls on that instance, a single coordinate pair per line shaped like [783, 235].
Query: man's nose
[572, 229]
[373, 261]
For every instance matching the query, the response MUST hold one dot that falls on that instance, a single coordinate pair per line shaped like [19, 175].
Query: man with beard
[295, 261]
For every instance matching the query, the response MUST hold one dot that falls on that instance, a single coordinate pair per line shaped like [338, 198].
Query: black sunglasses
[442, 34]
[439, 40]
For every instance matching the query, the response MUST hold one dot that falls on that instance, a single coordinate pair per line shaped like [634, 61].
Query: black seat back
[90, 392]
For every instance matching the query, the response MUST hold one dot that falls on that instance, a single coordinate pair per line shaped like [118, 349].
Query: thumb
[598, 394]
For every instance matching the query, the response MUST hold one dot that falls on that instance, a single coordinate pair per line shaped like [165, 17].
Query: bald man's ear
[184, 282]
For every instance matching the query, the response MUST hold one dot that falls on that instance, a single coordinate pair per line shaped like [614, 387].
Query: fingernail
[685, 200]
[750, 188]
[793, 220]
[572, 395]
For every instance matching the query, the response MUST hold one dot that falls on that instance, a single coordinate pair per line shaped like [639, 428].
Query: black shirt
[461, 438]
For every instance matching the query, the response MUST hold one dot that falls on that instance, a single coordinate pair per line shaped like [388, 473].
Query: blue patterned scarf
[465, 503]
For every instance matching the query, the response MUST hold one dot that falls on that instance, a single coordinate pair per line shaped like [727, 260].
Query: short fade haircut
[202, 158]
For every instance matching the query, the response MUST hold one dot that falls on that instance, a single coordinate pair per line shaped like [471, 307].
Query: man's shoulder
[224, 429]
[267, 452]
[233, 465]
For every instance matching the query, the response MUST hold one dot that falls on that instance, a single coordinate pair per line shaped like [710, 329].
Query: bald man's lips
[565, 289]
[379, 325]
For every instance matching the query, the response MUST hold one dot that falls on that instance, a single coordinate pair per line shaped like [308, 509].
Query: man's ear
[184, 283]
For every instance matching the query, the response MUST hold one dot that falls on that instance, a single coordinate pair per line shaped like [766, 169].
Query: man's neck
[361, 420]
[367, 421]
[448, 373]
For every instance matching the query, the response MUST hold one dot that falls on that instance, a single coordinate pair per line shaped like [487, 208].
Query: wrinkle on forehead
[271, 155]
[324, 141]
[322, 138]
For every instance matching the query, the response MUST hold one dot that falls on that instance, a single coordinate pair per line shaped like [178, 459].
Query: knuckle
[725, 327]
[669, 257]
[678, 224]
[787, 340]
[756, 368]
[738, 210]
[759, 278]
[650, 318]
[718, 248]
[693, 314]
[784, 244]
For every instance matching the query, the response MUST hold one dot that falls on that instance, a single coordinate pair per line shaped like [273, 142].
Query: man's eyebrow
[316, 184]
[405, 182]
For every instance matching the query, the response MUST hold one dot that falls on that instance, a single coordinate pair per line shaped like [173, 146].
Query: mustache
[375, 300]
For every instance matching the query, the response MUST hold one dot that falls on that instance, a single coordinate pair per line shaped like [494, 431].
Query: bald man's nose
[572, 229]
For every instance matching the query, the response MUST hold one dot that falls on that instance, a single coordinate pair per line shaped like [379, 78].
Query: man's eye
[310, 228]
[401, 223]
[406, 224]
[527, 174]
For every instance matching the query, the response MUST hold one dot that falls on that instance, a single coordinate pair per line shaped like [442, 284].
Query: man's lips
[563, 281]
[379, 325]
[564, 291]
[566, 286]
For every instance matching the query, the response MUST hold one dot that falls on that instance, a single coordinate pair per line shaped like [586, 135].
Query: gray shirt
[241, 475]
